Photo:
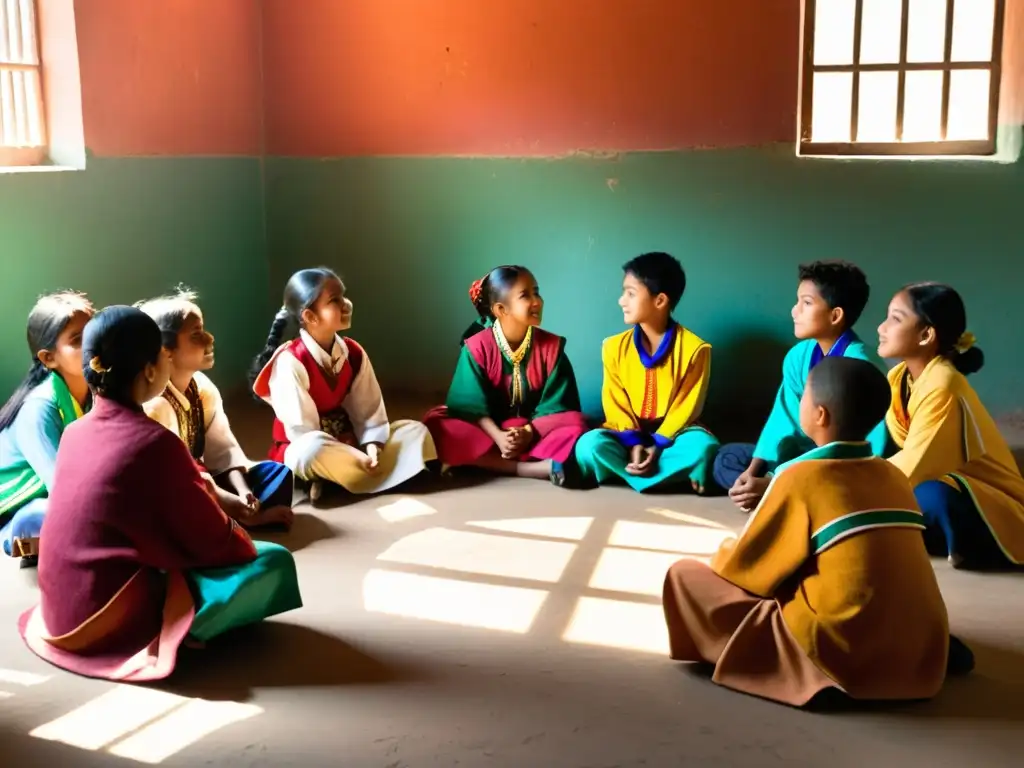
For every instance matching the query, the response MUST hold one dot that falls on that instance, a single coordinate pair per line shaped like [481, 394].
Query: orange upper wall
[527, 77]
[476, 77]
[170, 77]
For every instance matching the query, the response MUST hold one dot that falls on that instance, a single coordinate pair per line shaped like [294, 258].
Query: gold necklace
[191, 423]
[515, 357]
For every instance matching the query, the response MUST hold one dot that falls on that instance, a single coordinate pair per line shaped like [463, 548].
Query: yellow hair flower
[965, 342]
[97, 365]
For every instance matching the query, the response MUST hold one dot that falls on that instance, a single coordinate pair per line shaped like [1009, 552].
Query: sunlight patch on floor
[182, 727]
[633, 571]
[683, 517]
[482, 553]
[406, 508]
[618, 624]
[568, 528]
[682, 539]
[451, 601]
[634, 561]
[142, 724]
[14, 677]
[109, 717]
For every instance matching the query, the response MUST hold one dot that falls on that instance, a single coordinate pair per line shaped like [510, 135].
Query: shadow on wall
[746, 371]
[411, 234]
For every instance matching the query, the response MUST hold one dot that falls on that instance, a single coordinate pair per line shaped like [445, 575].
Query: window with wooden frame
[900, 77]
[22, 128]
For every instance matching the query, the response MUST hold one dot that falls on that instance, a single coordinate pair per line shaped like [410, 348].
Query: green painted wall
[125, 229]
[411, 234]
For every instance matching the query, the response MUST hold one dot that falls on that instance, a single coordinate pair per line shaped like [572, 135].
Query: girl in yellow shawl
[964, 476]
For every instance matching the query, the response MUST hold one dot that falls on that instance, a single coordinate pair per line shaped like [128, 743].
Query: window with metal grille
[900, 77]
[22, 129]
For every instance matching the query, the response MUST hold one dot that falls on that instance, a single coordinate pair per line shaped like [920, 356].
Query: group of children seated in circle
[137, 511]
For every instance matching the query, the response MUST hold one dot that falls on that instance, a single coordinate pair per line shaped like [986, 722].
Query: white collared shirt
[330, 361]
[222, 451]
[295, 409]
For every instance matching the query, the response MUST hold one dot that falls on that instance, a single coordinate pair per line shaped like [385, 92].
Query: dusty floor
[503, 624]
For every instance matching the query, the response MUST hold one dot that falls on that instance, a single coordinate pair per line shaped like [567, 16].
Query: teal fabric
[782, 438]
[602, 457]
[234, 596]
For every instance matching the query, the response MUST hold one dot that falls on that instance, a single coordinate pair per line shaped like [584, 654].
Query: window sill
[976, 159]
[1009, 150]
[12, 169]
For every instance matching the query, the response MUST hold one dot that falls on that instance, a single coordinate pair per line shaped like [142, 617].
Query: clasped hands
[513, 441]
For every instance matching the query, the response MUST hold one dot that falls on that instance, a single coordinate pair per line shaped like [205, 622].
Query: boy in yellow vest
[656, 377]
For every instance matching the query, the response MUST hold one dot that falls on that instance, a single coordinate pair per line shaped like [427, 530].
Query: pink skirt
[461, 442]
[93, 648]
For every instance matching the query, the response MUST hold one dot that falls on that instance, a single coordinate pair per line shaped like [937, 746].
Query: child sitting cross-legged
[254, 493]
[829, 585]
[656, 377]
[830, 297]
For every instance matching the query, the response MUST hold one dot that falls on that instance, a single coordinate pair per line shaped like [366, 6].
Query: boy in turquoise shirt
[831, 295]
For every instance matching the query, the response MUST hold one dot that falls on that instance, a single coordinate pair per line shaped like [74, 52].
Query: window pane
[9, 137]
[972, 29]
[5, 54]
[926, 30]
[968, 104]
[830, 114]
[33, 99]
[922, 106]
[12, 28]
[833, 31]
[880, 32]
[20, 109]
[27, 17]
[876, 112]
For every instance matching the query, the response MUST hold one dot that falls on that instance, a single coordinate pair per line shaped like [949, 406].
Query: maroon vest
[327, 398]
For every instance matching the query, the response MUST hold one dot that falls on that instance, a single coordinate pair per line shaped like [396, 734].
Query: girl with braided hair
[331, 424]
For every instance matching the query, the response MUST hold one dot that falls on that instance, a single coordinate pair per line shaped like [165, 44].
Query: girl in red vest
[331, 424]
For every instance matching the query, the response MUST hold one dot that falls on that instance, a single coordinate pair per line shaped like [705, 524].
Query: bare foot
[270, 516]
[316, 490]
[535, 469]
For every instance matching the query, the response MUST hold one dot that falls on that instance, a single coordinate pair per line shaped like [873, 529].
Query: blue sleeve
[37, 430]
[858, 351]
[881, 445]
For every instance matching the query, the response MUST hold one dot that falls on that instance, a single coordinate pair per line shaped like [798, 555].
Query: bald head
[854, 392]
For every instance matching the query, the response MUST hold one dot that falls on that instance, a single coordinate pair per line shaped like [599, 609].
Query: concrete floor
[471, 626]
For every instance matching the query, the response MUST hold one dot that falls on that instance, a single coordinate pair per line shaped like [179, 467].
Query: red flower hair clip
[475, 290]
